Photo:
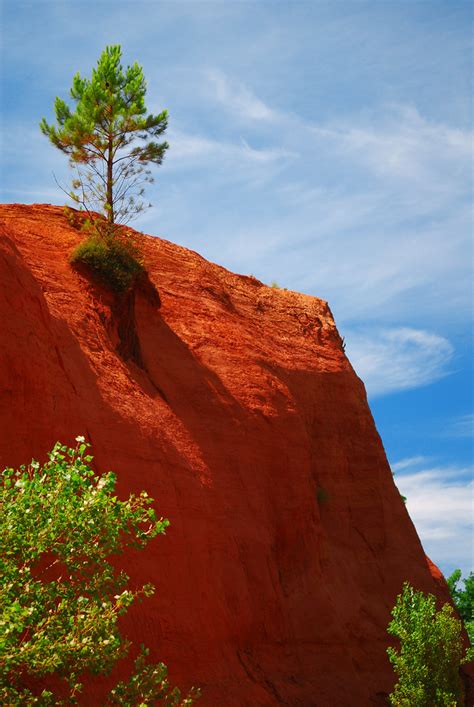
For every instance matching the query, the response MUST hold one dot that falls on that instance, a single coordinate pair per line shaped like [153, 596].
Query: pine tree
[109, 138]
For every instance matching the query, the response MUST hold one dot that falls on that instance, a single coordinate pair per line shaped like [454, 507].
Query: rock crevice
[230, 403]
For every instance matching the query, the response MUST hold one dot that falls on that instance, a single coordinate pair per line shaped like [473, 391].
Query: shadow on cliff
[193, 391]
[50, 390]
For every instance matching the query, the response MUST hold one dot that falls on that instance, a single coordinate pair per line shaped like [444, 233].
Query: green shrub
[112, 261]
[60, 597]
[431, 652]
[464, 601]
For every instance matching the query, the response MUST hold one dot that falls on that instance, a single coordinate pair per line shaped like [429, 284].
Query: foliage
[115, 262]
[109, 138]
[464, 600]
[430, 654]
[275, 286]
[149, 683]
[60, 599]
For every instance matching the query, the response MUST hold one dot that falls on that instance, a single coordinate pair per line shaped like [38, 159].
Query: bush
[431, 652]
[60, 598]
[113, 261]
[464, 601]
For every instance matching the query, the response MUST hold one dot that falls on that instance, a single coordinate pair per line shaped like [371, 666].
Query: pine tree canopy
[109, 137]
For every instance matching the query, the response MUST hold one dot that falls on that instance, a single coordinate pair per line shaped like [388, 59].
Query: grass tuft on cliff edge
[113, 263]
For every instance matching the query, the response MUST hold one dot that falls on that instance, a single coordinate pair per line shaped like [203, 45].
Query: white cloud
[398, 143]
[369, 211]
[390, 360]
[440, 501]
[373, 215]
[409, 463]
[202, 151]
[238, 99]
[462, 427]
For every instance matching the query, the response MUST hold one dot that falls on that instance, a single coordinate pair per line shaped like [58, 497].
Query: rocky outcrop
[235, 407]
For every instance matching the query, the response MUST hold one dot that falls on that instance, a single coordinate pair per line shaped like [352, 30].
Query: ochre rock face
[234, 405]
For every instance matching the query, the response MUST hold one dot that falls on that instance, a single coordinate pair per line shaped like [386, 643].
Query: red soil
[234, 406]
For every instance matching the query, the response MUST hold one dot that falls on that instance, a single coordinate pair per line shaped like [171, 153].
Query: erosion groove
[230, 403]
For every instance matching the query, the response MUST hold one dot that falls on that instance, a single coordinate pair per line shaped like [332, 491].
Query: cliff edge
[234, 405]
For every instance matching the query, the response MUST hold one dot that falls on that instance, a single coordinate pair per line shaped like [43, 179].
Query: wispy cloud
[346, 180]
[236, 98]
[409, 463]
[462, 426]
[390, 360]
[399, 143]
[440, 500]
[200, 151]
[368, 208]
[372, 214]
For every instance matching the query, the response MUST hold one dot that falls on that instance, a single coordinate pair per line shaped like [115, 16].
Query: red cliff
[234, 405]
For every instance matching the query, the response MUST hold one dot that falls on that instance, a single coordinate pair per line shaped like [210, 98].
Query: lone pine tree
[109, 138]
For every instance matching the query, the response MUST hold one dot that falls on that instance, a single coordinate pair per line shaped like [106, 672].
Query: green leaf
[65, 519]
[108, 136]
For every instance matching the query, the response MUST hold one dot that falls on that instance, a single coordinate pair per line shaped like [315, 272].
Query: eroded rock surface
[234, 405]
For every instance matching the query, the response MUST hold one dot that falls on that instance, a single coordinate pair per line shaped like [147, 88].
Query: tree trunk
[110, 201]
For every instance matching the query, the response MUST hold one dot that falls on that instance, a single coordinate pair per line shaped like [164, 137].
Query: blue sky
[324, 145]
